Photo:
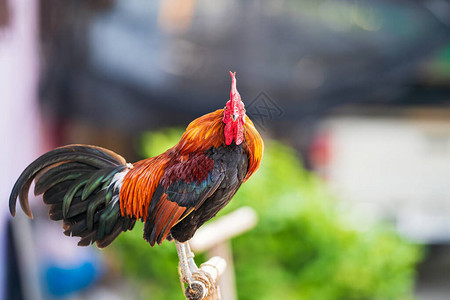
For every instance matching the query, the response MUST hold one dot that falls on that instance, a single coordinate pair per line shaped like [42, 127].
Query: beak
[235, 117]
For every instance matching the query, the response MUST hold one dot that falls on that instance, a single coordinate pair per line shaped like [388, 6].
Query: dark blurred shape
[4, 14]
[13, 282]
[434, 273]
[127, 67]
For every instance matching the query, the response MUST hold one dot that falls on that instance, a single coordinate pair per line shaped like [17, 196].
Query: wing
[183, 188]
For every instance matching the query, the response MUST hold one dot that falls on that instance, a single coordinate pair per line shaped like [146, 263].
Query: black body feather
[233, 162]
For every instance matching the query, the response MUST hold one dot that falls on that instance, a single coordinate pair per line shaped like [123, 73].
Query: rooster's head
[234, 115]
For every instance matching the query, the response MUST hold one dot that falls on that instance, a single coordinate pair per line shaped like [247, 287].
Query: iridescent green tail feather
[78, 184]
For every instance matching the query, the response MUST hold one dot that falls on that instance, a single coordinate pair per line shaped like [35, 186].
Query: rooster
[98, 195]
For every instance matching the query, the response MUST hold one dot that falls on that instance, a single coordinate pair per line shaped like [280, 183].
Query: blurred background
[351, 97]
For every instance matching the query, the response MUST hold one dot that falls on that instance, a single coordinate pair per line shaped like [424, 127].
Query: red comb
[234, 94]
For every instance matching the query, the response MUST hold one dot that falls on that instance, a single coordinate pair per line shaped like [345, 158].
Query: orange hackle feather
[253, 146]
[207, 131]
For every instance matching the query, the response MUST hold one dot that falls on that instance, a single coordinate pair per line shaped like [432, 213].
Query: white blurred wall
[19, 122]
[394, 167]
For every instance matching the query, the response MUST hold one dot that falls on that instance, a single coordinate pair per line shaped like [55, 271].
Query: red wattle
[229, 133]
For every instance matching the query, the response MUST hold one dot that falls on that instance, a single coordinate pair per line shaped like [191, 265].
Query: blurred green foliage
[305, 245]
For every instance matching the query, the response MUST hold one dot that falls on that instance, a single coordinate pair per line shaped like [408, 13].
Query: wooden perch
[229, 226]
[203, 282]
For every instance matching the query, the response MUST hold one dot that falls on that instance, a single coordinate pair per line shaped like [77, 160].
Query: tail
[81, 184]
